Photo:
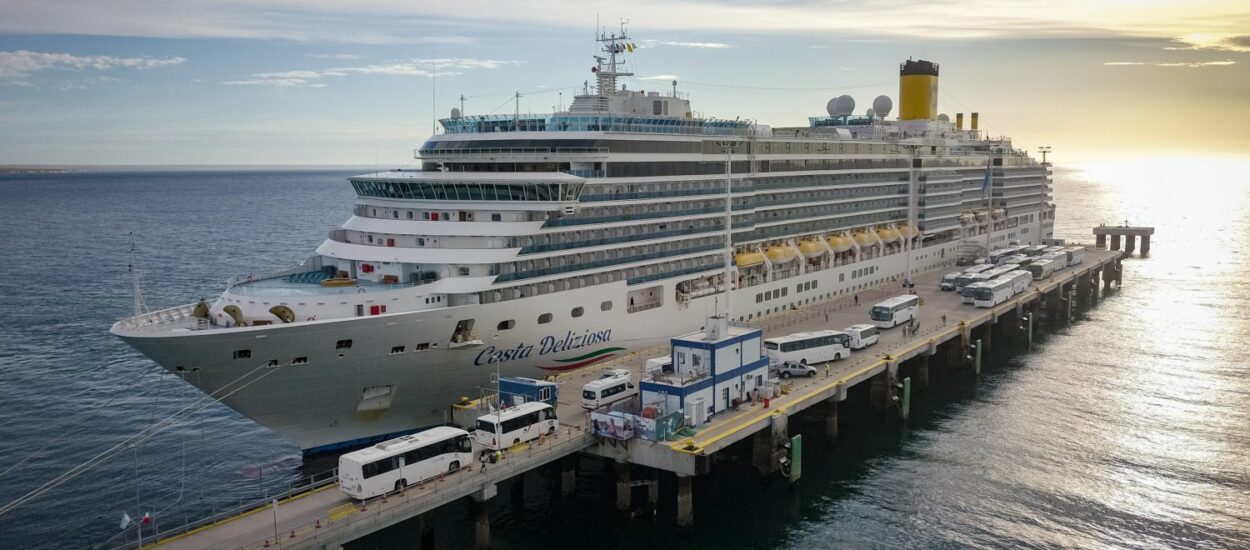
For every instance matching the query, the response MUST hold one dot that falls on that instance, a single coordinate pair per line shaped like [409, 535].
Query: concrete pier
[324, 517]
[1129, 233]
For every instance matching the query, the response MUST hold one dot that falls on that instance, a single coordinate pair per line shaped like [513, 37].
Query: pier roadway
[326, 518]
[687, 456]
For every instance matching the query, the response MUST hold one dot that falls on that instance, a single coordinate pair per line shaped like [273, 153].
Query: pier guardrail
[295, 488]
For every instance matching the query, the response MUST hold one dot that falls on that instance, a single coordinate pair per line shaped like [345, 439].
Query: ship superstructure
[531, 244]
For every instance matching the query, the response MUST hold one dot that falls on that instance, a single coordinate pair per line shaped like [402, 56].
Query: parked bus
[984, 276]
[1042, 269]
[896, 310]
[395, 464]
[967, 276]
[1020, 280]
[991, 293]
[1076, 255]
[514, 425]
[862, 336]
[1001, 253]
[1018, 259]
[1035, 250]
[808, 347]
[1060, 259]
[613, 386]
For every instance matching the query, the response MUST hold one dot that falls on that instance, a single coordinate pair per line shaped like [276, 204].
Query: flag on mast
[126, 521]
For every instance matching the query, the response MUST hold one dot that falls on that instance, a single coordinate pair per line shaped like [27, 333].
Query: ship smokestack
[974, 121]
[959, 121]
[917, 90]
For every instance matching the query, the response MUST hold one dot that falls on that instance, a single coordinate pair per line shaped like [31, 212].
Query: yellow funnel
[918, 90]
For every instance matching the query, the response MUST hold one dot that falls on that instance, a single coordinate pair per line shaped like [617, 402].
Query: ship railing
[267, 496]
[163, 317]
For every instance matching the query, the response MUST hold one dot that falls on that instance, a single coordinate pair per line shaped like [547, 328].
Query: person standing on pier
[856, 299]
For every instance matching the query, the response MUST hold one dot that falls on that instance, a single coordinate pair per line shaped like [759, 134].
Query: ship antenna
[135, 286]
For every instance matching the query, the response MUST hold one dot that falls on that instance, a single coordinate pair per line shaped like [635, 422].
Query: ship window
[420, 242]
[375, 212]
[370, 238]
[577, 311]
[410, 214]
[343, 344]
[424, 346]
[300, 361]
[506, 325]
[242, 353]
[397, 350]
[395, 214]
[605, 306]
[464, 271]
[425, 215]
[496, 217]
[544, 318]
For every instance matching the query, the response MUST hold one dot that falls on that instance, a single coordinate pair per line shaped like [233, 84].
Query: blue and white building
[713, 370]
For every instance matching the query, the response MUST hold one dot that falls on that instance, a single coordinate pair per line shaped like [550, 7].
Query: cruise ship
[532, 244]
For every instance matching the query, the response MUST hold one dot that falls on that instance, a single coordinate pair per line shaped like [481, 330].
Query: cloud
[699, 45]
[1190, 64]
[17, 65]
[666, 77]
[1213, 41]
[417, 67]
[341, 56]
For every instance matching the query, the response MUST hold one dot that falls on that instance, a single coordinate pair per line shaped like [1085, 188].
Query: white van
[862, 336]
[613, 386]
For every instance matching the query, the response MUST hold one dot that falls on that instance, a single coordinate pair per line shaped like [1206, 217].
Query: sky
[179, 82]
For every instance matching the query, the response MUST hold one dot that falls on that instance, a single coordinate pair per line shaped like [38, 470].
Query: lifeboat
[812, 248]
[838, 243]
[780, 254]
[865, 239]
[888, 234]
[967, 218]
[908, 231]
[285, 314]
[748, 259]
[339, 281]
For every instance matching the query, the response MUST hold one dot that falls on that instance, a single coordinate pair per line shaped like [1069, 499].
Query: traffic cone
[266, 543]
[292, 533]
[318, 525]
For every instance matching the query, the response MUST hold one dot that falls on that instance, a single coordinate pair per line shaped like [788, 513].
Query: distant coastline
[39, 169]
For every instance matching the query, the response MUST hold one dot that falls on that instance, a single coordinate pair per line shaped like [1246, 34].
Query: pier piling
[568, 476]
[427, 531]
[623, 487]
[685, 502]
[831, 420]
[481, 503]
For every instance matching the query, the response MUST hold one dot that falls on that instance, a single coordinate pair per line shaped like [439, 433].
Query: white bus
[862, 336]
[985, 276]
[525, 422]
[613, 386]
[1076, 255]
[1042, 269]
[966, 277]
[1060, 259]
[395, 464]
[808, 348]
[991, 293]
[1001, 253]
[1020, 280]
[1035, 250]
[896, 310]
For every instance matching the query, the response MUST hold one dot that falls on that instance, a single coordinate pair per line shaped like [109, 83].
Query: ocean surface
[1126, 430]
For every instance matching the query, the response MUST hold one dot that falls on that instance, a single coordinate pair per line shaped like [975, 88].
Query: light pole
[728, 146]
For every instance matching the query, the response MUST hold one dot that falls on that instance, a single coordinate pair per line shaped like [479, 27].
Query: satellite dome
[455, 113]
[943, 118]
[842, 105]
[882, 105]
[871, 113]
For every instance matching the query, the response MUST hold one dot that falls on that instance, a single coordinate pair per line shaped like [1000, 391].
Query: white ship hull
[317, 404]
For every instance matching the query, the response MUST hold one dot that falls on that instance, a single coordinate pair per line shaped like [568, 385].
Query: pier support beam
[653, 491]
[922, 371]
[1130, 244]
[831, 420]
[1101, 241]
[568, 476]
[767, 445]
[427, 531]
[1115, 242]
[623, 488]
[685, 502]
[481, 504]
[1145, 246]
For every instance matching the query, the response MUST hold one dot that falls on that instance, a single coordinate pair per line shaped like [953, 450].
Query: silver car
[795, 368]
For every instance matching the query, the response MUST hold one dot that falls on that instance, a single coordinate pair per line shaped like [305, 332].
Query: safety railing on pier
[294, 488]
[357, 516]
